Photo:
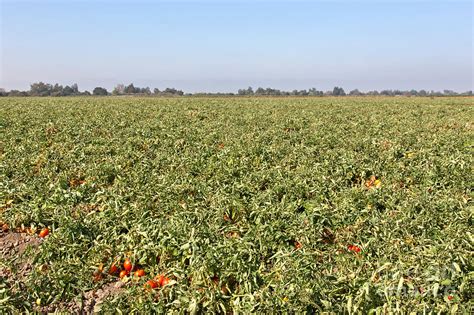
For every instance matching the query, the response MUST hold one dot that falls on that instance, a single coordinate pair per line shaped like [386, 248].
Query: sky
[221, 46]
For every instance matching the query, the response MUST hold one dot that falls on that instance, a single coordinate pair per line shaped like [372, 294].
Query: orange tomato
[113, 269]
[44, 232]
[123, 274]
[127, 265]
[4, 227]
[139, 273]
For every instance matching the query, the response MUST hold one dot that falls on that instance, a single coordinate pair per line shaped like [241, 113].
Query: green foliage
[249, 204]
[99, 91]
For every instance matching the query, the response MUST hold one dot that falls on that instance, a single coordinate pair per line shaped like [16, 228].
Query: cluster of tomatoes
[354, 248]
[128, 269]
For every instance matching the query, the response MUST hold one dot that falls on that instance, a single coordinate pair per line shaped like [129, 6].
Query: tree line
[339, 91]
[46, 89]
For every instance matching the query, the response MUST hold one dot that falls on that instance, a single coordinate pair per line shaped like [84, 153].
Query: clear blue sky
[224, 45]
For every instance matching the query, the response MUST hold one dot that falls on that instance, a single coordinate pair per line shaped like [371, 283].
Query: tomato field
[244, 205]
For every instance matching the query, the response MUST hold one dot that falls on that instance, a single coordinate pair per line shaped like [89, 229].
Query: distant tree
[260, 91]
[374, 92]
[119, 89]
[68, 91]
[338, 91]
[129, 89]
[57, 90]
[355, 92]
[156, 91]
[434, 93]
[3, 92]
[248, 91]
[75, 89]
[18, 93]
[145, 91]
[303, 93]
[40, 89]
[422, 93]
[99, 91]
[314, 92]
[87, 93]
[172, 91]
[449, 93]
[387, 92]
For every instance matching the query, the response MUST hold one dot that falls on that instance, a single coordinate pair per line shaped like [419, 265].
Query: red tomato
[127, 265]
[450, 297]
[298, 245]
[44, 232]
[162, 280]
[139, 273]
[113, 269]
[354, 248]
[123, 273]
[151, 284]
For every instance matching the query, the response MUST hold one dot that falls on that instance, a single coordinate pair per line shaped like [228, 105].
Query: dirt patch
[14, 268]
[93, 299]
[13, 243]
[90, 302]
[12, 246]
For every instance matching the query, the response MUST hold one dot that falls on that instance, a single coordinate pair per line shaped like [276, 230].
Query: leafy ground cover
[236, 204]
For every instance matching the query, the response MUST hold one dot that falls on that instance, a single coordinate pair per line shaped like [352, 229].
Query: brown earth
[90, 303]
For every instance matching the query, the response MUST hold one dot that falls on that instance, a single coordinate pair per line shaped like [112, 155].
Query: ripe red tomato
[127, 265]
[44, 232]
[162, 280]
[139, 273]
[123, 274]
[354, 248]
[113, 269]
[151, 284]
